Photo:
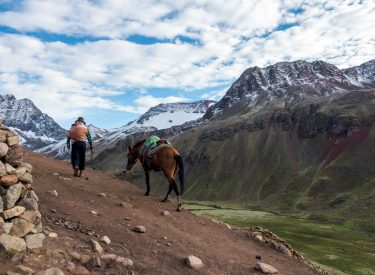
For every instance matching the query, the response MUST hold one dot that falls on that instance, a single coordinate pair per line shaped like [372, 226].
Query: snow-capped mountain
[160, 117]
[35, 128]
[287, 82]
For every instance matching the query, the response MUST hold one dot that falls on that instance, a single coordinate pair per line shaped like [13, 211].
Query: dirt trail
[223, 251]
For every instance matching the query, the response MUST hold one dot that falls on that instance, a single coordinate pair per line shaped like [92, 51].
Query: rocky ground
[78, 212]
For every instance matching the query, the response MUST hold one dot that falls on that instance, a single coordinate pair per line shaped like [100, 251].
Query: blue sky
[112, 60]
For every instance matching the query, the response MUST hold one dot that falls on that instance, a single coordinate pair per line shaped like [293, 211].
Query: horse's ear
[129, 148]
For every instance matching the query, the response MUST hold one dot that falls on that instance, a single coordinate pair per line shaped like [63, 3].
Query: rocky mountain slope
[286, 83]
[84, 209]
[35, 128]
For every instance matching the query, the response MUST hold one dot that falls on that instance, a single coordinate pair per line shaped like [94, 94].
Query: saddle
[149, 151]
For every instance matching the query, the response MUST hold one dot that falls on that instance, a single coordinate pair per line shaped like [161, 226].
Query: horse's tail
[181, 172]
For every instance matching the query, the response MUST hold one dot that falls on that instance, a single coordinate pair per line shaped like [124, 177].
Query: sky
[111, 60]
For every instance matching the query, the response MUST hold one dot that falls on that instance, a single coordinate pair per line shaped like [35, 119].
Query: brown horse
[167, 160]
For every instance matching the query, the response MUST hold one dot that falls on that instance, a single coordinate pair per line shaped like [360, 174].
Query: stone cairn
[20, 220]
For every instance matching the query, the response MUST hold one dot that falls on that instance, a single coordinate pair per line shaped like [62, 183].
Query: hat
[80, 119]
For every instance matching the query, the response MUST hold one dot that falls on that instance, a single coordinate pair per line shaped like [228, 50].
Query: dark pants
[79, 154]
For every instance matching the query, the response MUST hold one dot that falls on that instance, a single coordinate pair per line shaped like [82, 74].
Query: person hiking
[78, 134]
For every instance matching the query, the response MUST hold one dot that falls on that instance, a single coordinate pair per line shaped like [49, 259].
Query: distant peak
[8, 97]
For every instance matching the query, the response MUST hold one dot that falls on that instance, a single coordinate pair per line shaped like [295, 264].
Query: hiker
[78, 134]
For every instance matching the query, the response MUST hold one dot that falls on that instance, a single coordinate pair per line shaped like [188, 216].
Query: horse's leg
[169, 191]
[179, 203]
[147, 174]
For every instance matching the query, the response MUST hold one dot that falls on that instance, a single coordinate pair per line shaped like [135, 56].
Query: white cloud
[231, 36]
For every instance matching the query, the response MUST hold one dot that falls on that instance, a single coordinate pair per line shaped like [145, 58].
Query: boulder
[32, 216]
[28, 166]
[265, 268]
[3, 136]
[6, 227]
[3, 171]
[29, 203]
[3, 149]
[51, 271]
[96, 247]
[140, 229]
[8, 180]
[20, 171]
[21, 227]
[10, 169]
[11, 244]
[31, 194]
[12, 196]
[15, 155]
[13, 140]
[3, 191]
[13, 212]
[34, 241]
[194, 262]
[26, 178]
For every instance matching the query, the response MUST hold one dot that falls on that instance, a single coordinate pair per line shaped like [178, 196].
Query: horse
[165, 159]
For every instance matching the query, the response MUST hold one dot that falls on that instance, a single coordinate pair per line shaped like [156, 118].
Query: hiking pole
[92, 154]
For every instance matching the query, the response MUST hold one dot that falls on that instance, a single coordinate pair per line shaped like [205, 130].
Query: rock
[102, 195]
[13, 212]
[80, 270]
[10, 169]
[74, 255]
[3, 149]
[259, 238]
[21, 227]
[265, 268]
[106, 240]
[283, 249]
[24, 270]
[12, 196]
[85, 259]
[3, 191]
[194, 262]
[6, 227]
[51, 271]
[96, 246]
[27, 178]
[1, 204]
[32, 216]
[11, 244]
[258, 257]
[53, 211]
[94, 212]
[166, 213]
[15, 155]
[53, 193]
[34, 241]
[31, 194]
[124, 261]
[52, 235]
[140, 229]
[56, 174]
[20, 258]
[8, 180]
[3, 171]
[29, 204]
[12, 273]
[20, 171]
[28, 166]
[126, 205]
[96, 262]
[108, 257]
[13, 140]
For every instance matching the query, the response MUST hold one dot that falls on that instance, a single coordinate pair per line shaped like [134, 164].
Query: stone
[94, 212]
[11, 244]
[85, 259]
[108, 257]
[265, 268]
[24, 270]
[165, 213]
[126, 205]
[8, 180]
[6, 227]
[258, 257]
[106, 240]
[3, 149]
[34, 241]
[10, 169]
[102, 195]
[56, 174]
[1, 204]
[96, 247]
[96, 262]
[12, 196]
[51, 271]
[283, 249]
[52, 235]
[140, 229]
[13, 140]
[80, 270]
[32, 216]
[13, 212]
[15, 155]
[28, 166]
[20, 171]
[3, 171]
[27, 178]
[21, 227]
[124, 261]
[20, 258]
[74, 255]
[29, 204]
[259, 238]
[194, 262]
[3, 191]
[53, 193]
[12, 273]
[31, 194]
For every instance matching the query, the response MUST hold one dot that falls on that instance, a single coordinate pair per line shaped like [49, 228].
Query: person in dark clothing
[78, 134]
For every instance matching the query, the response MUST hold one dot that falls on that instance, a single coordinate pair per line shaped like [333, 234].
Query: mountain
[160, 117]
[305, 146]
[286, 83]
[35, 128]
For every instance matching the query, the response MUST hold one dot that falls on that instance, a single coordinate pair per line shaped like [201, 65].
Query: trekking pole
[92, 154]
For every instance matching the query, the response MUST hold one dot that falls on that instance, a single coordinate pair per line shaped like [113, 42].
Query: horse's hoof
[178, 209]
[147, 194]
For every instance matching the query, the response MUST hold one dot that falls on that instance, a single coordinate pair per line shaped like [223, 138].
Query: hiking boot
[76, 171]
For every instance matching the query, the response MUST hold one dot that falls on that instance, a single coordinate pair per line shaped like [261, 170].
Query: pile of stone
[20, 220]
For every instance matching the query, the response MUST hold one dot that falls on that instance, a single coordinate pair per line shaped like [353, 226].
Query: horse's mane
[139, 143]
